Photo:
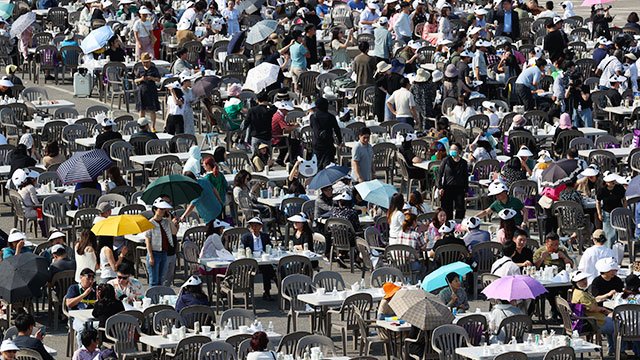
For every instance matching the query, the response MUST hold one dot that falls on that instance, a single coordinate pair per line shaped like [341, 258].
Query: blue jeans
[607, 330]
[609, 231]
[156, 272]
[406, 120]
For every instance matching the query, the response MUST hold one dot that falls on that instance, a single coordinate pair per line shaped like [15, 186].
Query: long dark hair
[105, 241]
[396, 203]
[114, 172]
[52, 149]
[509, 227]
[87, 239]
[241, 177]
[106, 292]
[435, 220]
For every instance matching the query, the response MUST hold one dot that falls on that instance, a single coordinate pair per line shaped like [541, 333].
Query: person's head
[327, 192]
[337, 34]
[263, 149]
[213, 7]
[453, 279]
[145, 59]
[365, 135]
[549, 5]
[105, 291]
[87, 239]
[25, 323]
[541, 64]
[58, 252]
[124, 272]
[115, 175]
[552, 242]
[520, 238]
[607, 267]
[509, 248]
[410, 220]
[255, 225]
[230, 5]
[364, 47]
[259, 341]
[144, 14]
[633, 17]
[104, 209]
[310, 30]
[87, 278]
[405, 83]
[506, 5]
[193, 286]
[300, 223]
[445, 11]
[8, 349]
[160, 207]
[405, 7]
[297, 36]
[455, 150]
[416, 198]
[114, 43]
[89, 337]
[439, 217]
[52, 149]
[242, 178]
[599, 237]
[322, 104]
[395, 204]
[580, 280]
[182, 54]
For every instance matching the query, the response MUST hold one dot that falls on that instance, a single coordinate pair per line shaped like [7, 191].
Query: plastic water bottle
[363, 285]
[270, 328]
[270, 192]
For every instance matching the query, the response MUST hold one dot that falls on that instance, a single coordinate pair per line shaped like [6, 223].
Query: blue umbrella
[6, 9]
[96, 39]
[634, 187]
[84, 166]
[328, 176]
[376, 192]
[437, 279]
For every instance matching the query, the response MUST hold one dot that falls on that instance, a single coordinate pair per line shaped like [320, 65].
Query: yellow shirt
[588, 300]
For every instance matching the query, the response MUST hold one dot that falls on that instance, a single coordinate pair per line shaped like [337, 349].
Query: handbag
[545, 202]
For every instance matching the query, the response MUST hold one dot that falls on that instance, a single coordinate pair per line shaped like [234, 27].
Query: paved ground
[267, 311]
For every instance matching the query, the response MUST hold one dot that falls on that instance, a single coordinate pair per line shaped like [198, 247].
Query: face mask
[453, 153]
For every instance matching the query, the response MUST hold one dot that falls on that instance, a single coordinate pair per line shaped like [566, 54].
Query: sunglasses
[123, 277]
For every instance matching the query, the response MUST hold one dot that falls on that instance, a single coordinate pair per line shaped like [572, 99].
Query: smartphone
[43, 331]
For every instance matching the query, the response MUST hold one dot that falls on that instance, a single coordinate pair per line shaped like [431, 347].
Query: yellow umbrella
[122, 225]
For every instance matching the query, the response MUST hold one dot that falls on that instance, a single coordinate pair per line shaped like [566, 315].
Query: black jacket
[106, 136]
[312, 46]
[515, 24]
[259, 118]
[20, 160]
[453, 173]
[324, 125]
[105, 308]
[247, 241]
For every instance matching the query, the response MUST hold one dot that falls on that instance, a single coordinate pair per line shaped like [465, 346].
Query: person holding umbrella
[158, 240]
[603, 318]
[454, 295]
[146, 79]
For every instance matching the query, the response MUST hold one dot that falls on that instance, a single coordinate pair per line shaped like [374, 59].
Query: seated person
[454, 295]
[107, 305]
[604, 322]
[607, 284]
[500, 312]
[56, 238]
[82, 296]
[125, 285]
[505, 266]
[191, 294]
[16, 245]
[262, 158]
[24, 324]
[593, 254]
[448, 237]
[551, 253]
[474, 235]
[60, 260]
[8, 349]
[523, 255]
[89, 349]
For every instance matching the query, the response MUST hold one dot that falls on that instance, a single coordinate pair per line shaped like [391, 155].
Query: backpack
[342, 82]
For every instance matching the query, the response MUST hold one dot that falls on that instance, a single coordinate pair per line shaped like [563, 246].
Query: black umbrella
[204, 86]
[23, 276]
[559, 173]
[237, 42]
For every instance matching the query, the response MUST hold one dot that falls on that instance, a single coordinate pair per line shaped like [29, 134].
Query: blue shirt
[47, 4]
[356, 5]
[599, 54]
[506, 28]
[186, 299]
[528, 76]
[207, 204]
[322, 9]
[297, 52]
[9, 252]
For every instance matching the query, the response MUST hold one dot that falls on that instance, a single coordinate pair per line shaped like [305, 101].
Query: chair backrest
[564, 140]
[294, 285]
[483, 168]
[569, 214]
[561, 353]
[217, 350]
[197, 234]
[294, 264]
[446, 338]
[123, 330]
[238, 317]
[115, 200]
[155, 292]
[485, 254]
[165, 165]
[341, 231]
[241, 273]
[515, 326]
[512, 355]
[306, 343]
[329, 280]
[232, 238]
[625, 320]
[86, 198]
[447, 254]
[401, 257]
[238, 161]
[475, 325]
[46, 177]
[203, 314]
[382, 275]
[289, 341]
[94, 110]
[148, 315]
[244, 348]
[54, 208]
[606, 141]
[581, 143]
[189, 347]
[401, 128]
[156, 146]
[28, 354]
[169, 318]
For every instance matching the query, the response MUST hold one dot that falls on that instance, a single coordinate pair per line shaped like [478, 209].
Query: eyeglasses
[123, 277]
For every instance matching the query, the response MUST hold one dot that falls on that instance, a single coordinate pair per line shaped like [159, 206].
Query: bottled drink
[270, 329]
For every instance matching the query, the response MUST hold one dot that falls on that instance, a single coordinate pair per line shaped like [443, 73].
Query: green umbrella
[179, 188]
[6, 9]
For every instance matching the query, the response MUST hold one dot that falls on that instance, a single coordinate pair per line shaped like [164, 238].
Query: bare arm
[147, 242]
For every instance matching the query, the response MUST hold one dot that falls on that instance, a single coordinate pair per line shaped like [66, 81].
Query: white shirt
[403, 100]
[189, 14]
[143, 28]
[505, 267]
[261, 355]
[402, 27]
[257, 243]
[395, 226]
[461, 115]
[632, 74]
[367, 15]
[609, 65]
[173, 108]
[590, 257]
[547, 13]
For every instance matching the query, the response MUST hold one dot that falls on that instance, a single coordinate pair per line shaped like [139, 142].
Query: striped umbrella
[420, 309]
[84, 166]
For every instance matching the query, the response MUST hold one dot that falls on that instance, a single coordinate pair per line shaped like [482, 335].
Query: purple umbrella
[514, 287]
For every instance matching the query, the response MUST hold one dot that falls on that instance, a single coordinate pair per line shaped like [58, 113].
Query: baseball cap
[57, 247]
[55, 235]
[17, 236]
[143, 122]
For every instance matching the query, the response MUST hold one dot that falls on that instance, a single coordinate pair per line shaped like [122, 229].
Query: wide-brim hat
[145, 56]
[489, 105]
[6, 82]
[19, 176]
[8, 345]
[16, 236]
[221, 224]
[611, 177]
[524, 151]
[390, 289]
[607, 264]
[437, 75]
[382, 66]
[255, 220]
[144, 11]
[422, 75]
[451, 71]
[283, 105]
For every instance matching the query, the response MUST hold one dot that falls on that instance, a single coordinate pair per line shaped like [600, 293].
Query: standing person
[311, 44]
[143, 32]
[217, 180]
[508, 21]
[554, 41]
[402, 26]
[479, 62]
[256, 240]
[280, 128]
[362, 158]
[402, 104]
[231, 15]
[609, 66]
[424, 93]
[609, 196]
[368, 17]
[600, 18]
[381, 77]
[504, 201]
[453, 182]
[299, 56]
[158, 240]
[257, 122]
[444, 25]
[339, 47]
[187, 96]
[174, 123]
[528, 83]
[85, 253]
[364, 65]
[146, 79]
[383, 40]
[324, 126]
